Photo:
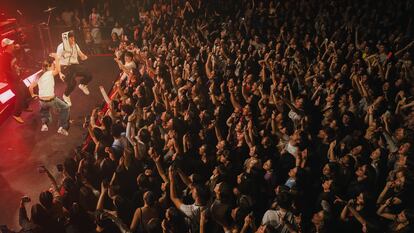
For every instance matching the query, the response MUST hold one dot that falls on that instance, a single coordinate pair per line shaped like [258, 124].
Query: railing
[104, 109]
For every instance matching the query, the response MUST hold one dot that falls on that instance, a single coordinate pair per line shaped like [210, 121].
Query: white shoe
[67, 100]
[84, 88]
[44, 128]
[63, 131]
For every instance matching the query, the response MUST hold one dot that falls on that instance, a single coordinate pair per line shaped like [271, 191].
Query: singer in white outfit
[47, 97]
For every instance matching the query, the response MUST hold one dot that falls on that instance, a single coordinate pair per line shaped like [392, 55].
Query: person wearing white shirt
[118, 30]
[128, 67]
[191, 211]
[95, 20]
[47, 97]
[69, 59]
[280, 215]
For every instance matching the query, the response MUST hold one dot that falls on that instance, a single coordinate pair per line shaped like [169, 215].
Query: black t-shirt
[5, 67]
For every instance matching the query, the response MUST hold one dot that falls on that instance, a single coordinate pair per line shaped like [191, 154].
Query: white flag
[65, 40]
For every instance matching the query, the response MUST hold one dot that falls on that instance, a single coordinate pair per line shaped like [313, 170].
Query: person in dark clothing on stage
[72, 69]
[11, 72]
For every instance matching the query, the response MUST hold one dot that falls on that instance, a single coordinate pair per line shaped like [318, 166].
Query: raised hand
[332, 144]
[54, 55]
[104, 187]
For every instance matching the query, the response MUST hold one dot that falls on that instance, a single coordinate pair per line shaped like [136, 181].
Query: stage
[23, 147]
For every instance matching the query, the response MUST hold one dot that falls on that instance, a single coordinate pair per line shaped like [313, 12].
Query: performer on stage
[47, 97]
[72, 69]
[11, 71]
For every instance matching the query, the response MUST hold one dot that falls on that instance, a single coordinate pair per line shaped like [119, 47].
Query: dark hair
[176, 223]
[283, 200]
[270, 229]
[144, 135]
[128, 109]
[129, 54]
[102, 221]
[46, 199]
[87, 199]
[38, 214]
[69, 166]
[97, 132]
[143, 181]
[149, 198]
[409, 214]
[369, 202]
[240, 215]
[46, 64]
[116, 130]
[202, 194]
[154, 225]
[107, 122]
[71, 34]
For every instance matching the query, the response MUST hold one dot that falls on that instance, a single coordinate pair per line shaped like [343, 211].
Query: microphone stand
[47, 45]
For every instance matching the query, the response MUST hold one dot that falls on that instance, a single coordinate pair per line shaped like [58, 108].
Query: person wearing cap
[10, 70]
[72, 69]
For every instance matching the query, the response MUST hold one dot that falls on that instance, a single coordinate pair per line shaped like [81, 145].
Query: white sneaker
[63, 131]
[44, 128]
[84, 88]
[67, 100]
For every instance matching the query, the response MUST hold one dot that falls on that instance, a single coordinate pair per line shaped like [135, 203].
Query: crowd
[247, 116]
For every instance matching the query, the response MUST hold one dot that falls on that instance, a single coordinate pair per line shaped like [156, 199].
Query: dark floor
[23, 147]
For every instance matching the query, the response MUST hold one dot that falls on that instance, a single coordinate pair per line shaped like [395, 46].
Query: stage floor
[23, 147]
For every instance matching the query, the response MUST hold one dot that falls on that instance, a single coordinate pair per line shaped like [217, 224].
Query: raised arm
[233, 100]
[331, 153]
[100, 203]
[381, 211]
[405, 48]
[173, 195]
[81, 54]
[56, 69]
[357, 216]
[186, 180]
[384, 192]
[157, 160]
[208, 68]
